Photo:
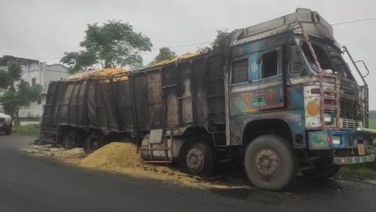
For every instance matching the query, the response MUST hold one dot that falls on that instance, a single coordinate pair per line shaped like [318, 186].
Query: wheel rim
[267, 162]
[195, 159]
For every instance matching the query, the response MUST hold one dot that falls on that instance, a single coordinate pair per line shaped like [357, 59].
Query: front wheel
[270, 162]
[197, 158]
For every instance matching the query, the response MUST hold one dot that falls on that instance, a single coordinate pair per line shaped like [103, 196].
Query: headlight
[313, 108]
[336, 140]
[328, 118]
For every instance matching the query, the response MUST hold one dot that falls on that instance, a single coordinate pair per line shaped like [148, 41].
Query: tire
[70, 140]
[270, 163]
[197, 158]
[93, 142]
[322, 172]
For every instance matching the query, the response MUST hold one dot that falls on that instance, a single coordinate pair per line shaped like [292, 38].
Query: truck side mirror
[365, 66]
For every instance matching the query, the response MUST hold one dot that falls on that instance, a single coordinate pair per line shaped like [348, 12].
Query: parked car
[5, 122]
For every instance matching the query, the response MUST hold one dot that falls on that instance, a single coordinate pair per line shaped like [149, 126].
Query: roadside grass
[361, 171]
[30, 129]
[372, 123]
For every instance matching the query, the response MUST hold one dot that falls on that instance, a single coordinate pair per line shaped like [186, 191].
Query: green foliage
[79, 60]
[112, 44]
[221, 41]
[372, 123]
[14, 72]
[13, 98]
[3, 79]
[359, 171]
[8, 78]
[165, 53]
[31, 129]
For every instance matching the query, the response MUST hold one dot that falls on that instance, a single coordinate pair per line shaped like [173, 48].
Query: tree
[221, 41]
[165, 53]
[13, 98]
[8, 78]
[112, 44]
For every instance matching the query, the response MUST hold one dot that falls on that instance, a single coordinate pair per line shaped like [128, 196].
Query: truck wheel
[70, 140]
[270, 162]
[197, 158]
[93, 142]
[323, 172]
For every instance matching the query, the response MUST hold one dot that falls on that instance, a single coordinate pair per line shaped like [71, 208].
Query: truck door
[255, 86]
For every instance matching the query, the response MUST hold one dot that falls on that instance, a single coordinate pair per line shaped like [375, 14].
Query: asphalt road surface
[36, 184]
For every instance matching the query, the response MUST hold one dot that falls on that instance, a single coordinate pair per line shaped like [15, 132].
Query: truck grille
[349, 124]
[350, 109]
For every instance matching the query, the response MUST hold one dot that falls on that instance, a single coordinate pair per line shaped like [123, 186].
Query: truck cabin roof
[314, 25]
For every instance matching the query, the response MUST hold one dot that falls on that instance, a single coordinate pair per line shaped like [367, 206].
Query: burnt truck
[280, 96]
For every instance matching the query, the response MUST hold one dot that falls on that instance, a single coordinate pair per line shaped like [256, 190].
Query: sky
[45, 29]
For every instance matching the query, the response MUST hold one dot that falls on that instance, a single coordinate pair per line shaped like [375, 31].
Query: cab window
[296, 65]
[269, 64]
[240, 71]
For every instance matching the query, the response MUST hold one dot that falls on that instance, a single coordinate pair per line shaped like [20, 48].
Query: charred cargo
[280, 96]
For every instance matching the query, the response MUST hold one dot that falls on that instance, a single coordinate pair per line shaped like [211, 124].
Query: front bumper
[5, 126]
[341, 139]
[353, 159]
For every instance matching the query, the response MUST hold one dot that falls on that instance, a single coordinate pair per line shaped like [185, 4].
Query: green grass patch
[359, 171]
[372, 123]
[30, 129]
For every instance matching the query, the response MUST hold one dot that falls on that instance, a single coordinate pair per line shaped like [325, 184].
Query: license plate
[361, 149]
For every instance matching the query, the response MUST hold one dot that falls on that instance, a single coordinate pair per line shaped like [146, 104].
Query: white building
[42, 74]
[35, 72]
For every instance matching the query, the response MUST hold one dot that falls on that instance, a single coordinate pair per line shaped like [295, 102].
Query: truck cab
[294, 104]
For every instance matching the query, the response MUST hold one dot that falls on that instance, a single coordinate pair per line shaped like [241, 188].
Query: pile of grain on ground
[114, 155]
[123, 158]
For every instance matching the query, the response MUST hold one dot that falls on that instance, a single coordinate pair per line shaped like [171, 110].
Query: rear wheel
[94, 141]
[270, 162]
[70, 140]
[197, 157]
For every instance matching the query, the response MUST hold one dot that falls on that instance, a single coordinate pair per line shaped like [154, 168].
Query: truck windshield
[330, 59]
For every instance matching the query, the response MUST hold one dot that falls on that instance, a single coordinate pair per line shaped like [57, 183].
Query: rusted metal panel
[140, 93]
[172, 108]
[185, 93]
[215, 90]
[199, 91]
[154, 82]
[123, 105]
[169, 84]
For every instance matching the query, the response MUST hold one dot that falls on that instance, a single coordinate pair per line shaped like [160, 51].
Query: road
[36, 184]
